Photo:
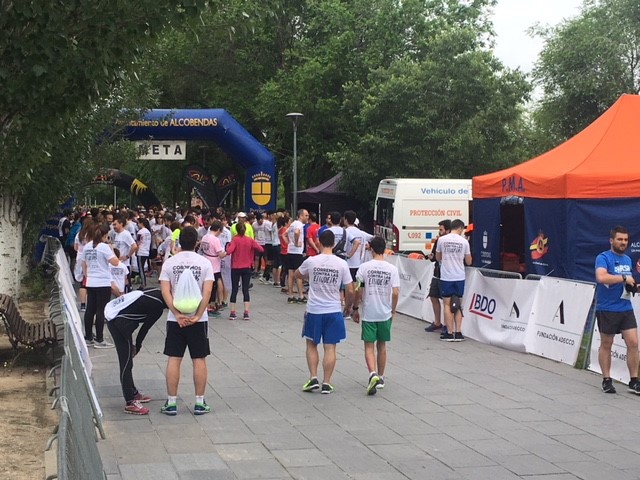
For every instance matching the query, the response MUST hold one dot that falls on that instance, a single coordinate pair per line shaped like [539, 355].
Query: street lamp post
[294, 116]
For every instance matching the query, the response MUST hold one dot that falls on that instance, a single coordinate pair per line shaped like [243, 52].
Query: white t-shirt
[453, 247]
[132, 228]
[293, 248]
[326, 273]
[173, 267]
[144, 242]
[365, 253]
[275, 238]
[119, 275]
[225, 237]
[377, 278]
[338, 231]
[202, 231]
[97, 260]
[353, 234]
[260, 232]
[123, 241]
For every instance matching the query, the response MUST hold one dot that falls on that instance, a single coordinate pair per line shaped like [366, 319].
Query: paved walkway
[449, 411]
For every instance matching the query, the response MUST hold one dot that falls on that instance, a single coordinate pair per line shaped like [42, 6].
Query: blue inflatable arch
[218, 126]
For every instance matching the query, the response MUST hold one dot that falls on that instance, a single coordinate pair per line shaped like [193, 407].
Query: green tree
[57, 62]
[586, 64]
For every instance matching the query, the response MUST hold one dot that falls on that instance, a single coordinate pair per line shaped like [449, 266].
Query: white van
[408, 210]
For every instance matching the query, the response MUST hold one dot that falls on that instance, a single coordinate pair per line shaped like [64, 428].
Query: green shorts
[376, 331]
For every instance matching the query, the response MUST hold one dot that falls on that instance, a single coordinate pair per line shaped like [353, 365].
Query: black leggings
[236, 275]
[143, 277]
[122, 334]
[97, 299]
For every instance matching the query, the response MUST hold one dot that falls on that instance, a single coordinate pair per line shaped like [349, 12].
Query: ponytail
[99, 233]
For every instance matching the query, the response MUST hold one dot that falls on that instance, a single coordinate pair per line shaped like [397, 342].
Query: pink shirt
[210, 247]
[242, 248]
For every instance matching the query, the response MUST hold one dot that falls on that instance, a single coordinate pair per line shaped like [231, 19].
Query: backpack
[187, 295]
[339, 248]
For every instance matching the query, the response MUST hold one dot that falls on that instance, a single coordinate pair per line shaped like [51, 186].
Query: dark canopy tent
[327, 197]
[554, 213]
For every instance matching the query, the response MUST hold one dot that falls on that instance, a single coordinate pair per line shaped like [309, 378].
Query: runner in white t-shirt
[186, 329]
[295, 235]
[324, 322]
[453, 253]
[97, 256]
[378, 286]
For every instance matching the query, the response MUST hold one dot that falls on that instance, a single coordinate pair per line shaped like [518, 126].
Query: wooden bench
[30, 334]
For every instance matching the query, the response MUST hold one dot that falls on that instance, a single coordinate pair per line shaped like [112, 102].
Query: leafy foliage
[587, 63]
[61, 68]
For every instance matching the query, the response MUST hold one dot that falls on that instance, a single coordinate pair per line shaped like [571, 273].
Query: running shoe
[607, 386]
[169, 409]
[380, 384]
[89, 343]
[142, 398]
[212, 312]
[447, 337]
[301, 300]
[136, 408]
[634, 387]
[327, 388]
[233, 315]
[458, 337]
[311, 385]
[292, 300]
[102, 344]
[201, 408]
[245, 316]
[372, 388]
[433, 328]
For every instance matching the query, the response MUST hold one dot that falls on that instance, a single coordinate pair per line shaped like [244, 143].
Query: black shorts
[277, 258]
[434, 289]
[294, 261]
[195, 336]
[268, 252]
[612, 323]
[353, 273]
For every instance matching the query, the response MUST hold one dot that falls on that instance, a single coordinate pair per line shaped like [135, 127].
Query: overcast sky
[512, 18]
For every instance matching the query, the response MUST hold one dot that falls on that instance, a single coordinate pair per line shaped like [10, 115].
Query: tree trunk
[10, 245]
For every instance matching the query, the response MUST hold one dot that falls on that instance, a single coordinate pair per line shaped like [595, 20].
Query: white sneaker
[103, 344]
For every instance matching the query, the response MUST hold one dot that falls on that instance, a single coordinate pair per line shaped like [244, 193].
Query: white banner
[497, 310]
[619, 370]
[558, 319]
[162, 150]
[415, 279]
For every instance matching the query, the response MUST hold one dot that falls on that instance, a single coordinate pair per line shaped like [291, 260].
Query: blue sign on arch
[218, 126]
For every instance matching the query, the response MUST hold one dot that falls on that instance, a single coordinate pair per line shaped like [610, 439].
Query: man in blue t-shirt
[614, 311]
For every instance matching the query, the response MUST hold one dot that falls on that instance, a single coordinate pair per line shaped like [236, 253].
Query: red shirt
[242, 248]
[312, 232]
[284, 240]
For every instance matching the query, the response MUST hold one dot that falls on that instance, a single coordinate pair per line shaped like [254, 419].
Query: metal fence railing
[80, 414]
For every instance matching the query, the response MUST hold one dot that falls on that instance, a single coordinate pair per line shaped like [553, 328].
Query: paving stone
[450, 412]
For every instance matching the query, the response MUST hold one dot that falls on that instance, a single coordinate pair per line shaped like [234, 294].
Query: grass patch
[34, 285]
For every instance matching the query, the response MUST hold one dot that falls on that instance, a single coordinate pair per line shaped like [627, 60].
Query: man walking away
[378, 286]
[323, 321]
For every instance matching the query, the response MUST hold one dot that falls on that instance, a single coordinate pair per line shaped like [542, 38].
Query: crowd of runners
[112, 253]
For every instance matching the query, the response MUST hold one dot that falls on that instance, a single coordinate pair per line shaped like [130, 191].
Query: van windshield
[384, 212]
